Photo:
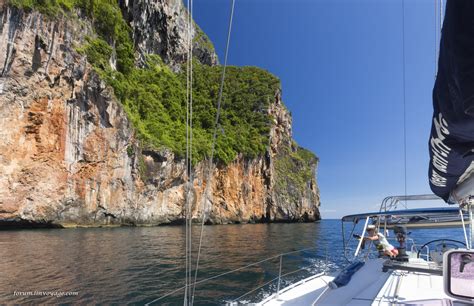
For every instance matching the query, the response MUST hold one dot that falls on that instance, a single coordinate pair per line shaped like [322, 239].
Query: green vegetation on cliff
[108, 23]
[202, 39]
[47, 7]
[155, 100]
[154, 97]
[293, 171]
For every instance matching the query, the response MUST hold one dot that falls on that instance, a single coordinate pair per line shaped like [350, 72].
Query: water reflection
[137, 265]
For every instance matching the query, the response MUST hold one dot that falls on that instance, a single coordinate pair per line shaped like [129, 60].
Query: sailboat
[441, 271]
[418, 275]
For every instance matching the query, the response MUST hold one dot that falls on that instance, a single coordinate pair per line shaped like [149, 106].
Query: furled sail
[451, 143]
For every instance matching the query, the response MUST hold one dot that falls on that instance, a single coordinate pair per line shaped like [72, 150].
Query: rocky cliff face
[68, 153]
[169, 34]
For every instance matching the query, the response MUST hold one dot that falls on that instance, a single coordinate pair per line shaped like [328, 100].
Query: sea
[139, 265]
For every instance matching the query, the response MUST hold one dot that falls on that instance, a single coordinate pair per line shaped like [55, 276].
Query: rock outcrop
[68, 153]
[169, 34]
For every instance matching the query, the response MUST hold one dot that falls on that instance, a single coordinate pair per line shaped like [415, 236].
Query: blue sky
[340, 64]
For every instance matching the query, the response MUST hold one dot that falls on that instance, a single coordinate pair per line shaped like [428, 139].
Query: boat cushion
[345, 275]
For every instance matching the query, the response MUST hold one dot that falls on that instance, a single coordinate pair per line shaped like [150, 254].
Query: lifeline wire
[232, 271]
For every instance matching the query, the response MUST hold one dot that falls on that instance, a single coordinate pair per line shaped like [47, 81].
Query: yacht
[441, 271]
[418, 275]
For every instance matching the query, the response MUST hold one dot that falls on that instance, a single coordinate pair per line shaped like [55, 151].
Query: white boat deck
[304, 292]
[368, 286]
[361, 290]
[413, 288]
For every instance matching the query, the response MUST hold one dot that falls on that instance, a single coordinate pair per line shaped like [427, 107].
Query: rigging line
[440, 31]
[214, 137]
[187, 165]
[191, 176]
[441, 7]
[190, 162]
[404, 102]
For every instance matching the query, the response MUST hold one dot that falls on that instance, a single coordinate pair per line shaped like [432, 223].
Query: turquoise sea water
[138, 265]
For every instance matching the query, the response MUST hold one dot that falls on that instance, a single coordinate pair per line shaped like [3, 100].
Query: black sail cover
[452, 133]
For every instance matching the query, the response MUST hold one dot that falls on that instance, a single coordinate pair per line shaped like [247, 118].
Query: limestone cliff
[69, 155]
[168, 35]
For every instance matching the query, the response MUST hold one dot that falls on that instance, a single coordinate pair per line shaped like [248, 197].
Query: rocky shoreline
[70, 156]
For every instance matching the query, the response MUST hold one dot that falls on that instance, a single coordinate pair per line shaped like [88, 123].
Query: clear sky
[341, 66]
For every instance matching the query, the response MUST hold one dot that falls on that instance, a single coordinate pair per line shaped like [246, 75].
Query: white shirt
[383, 242]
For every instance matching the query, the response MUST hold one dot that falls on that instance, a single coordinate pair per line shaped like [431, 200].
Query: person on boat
[380, 241]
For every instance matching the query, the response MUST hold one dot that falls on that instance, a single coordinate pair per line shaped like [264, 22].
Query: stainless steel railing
[277, 279]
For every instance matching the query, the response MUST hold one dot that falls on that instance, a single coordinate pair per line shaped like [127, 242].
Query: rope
[438, 22]
[441, 8]
[191, 179]
[404, 102]
[214, 137]
[188, 164]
